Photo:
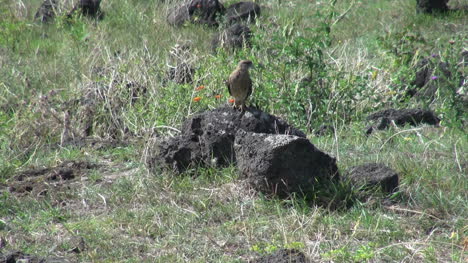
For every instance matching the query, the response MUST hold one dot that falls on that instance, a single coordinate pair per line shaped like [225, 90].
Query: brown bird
[239, 84]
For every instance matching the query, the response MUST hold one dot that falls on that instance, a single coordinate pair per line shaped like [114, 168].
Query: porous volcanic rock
[236, 36]
[324, 129]
[208, 138]
[89, 8]
[425, 82]
[283, 256]
[180, 61]
[196, 11]
[18, 256]
[47, 11]
[278, 164]
[181, 73]
[242, 11]
[430, 6]
[373, 174]
[384, 118]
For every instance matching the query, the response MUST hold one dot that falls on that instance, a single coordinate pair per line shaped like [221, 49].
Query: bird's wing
[227, 82]
[249, 88]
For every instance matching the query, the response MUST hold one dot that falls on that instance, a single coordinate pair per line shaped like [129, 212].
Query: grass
[123, 213]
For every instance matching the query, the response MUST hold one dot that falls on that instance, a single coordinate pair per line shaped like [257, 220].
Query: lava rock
[196, 11]
[277, 164]
[180, 69]
[181, 73]
[373, 174]
[242, 11]
[19, 256]
[236, 36]
[424, 85]
[431, 6]
[208, 138]
[283, 256]
[383, 119]
[89, 8]
[47, 11]
[324, 130]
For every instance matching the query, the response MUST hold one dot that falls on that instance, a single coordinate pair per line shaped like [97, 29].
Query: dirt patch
[39, 181]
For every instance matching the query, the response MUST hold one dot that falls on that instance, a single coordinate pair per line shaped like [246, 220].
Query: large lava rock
[278, 164]
[430, 6]
[208, 138]
[47, 11]
[236, 36]
[242, 11]
[373, 174]
[283, 256]
[383, 119]
[196, 11]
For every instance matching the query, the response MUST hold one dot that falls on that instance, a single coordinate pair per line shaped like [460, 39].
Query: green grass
[123, 213]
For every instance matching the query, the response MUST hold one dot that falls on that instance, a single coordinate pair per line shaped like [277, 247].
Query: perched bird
[239, 84]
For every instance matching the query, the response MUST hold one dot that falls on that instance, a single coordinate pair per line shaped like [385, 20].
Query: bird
[239, 84]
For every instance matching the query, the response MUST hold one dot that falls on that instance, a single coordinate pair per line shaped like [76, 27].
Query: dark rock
[204, 12]
[283, 256]
[208, 138]
[324, 130]
[181, 73]
[423, 73]
[236, 36]
[426, 68]
[180, 68]
[47, 11]
[19, 256]
[431, 6]
[382, 119]
[89, 8]
[277, 164]
[242, 11]
[373, 174]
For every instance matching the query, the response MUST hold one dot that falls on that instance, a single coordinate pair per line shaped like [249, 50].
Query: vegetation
[317, 62]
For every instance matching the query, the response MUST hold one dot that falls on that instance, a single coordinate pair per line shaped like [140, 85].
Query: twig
[168, 127]
[411, 211]
[456, 157]
[389, 138]
[344, 14]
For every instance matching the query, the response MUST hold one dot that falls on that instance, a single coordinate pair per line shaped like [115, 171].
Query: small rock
[19, 256]
[181, 73]
[236, 36]
[196, 11]
[242, 11]
[47, 11]
[383, 119]
[180, 60]
[324, 130]
[283, 256]
[280, 165]
[89, 8]
[373, 174]
[430, 6]
[425, 87]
